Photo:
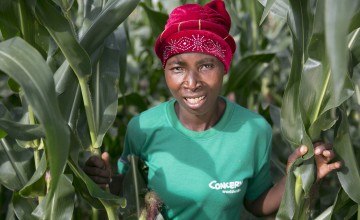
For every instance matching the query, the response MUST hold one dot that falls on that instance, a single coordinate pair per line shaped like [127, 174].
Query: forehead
[192, 57]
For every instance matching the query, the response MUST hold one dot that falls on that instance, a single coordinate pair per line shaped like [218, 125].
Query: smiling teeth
[195, 100]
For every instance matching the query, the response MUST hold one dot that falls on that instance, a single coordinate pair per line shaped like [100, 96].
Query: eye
[207, 66]
[177, 69]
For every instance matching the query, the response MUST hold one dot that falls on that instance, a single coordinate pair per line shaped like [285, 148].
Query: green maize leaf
[317, 98]
[36, 186]
[62, 32]
[26, 23]
[2, 134]
[63, 204]
[233, 12]
[292, 207]
[339, 15]
[105, 87]
[88, 11]
[65, 5]
[15, 20]
[16, 165]
[247, 24]
[113, 9]
[75, 147]
[8, 19]
[110, 17]
[287, 210]
[299, 23]
[349, 174]
[104, 90]
[243, 72]
[23, 207]
[305, 99]
[24, 64]
[14, 86]
[344, 208]
[322, 123]
[69, 94]
[355, 21]
[82, 130]
[28, 132]
[354, 46]
[278, 7]
[157, 19]
[325, 215]
[92, 192]
[121, 36]
[267, 9]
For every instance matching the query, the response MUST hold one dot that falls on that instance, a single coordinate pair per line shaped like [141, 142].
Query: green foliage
[73, 73]
[314, 99]
[66, 103]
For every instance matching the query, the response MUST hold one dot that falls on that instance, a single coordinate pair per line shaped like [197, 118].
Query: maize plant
[60, 60]
[325, 42]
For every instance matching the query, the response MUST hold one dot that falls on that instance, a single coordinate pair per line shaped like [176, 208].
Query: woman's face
[195, 80]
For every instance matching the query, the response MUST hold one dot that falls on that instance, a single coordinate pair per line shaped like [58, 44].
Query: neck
[201, 122]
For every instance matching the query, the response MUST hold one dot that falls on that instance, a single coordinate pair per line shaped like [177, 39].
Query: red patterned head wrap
[193, 28]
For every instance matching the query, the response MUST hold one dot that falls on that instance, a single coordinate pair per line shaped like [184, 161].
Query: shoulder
[249, 118]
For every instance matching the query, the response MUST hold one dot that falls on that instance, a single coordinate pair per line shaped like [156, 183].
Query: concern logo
[226, 187]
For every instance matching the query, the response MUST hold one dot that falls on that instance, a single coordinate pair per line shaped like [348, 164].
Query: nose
[192, 81]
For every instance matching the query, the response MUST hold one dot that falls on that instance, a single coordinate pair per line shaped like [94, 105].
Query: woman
[207, 156]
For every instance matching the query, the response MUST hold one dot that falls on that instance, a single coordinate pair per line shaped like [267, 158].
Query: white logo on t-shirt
[226, 187]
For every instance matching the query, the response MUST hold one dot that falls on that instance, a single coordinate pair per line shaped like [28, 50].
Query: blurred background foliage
[258, 77]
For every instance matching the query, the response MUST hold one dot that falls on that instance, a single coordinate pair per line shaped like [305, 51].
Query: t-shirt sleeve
[132, 145]
[261, 180]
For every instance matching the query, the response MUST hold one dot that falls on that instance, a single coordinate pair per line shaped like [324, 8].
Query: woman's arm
[268, 203]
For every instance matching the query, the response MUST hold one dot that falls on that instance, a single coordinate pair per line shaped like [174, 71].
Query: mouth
[194, 100]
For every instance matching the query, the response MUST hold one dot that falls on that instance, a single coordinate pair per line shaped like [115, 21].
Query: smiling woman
[208, 157]
[195, 81]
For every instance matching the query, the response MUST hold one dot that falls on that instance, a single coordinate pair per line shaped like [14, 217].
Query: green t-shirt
[202, 175]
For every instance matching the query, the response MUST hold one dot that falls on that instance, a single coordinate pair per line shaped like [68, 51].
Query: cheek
[217, 81]
[172, 82]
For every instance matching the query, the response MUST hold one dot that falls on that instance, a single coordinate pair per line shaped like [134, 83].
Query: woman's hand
[99, 169]
[323, 155]
[269, 202]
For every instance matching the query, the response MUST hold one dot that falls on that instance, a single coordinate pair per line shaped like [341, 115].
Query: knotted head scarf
[193, 28]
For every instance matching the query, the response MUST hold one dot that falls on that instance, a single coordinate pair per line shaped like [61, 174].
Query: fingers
[106, 159]
[99, 169]
[334, 166]
[298, 152]
[96, 170]
[325, 169]
[94, 161]
[324, 152]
